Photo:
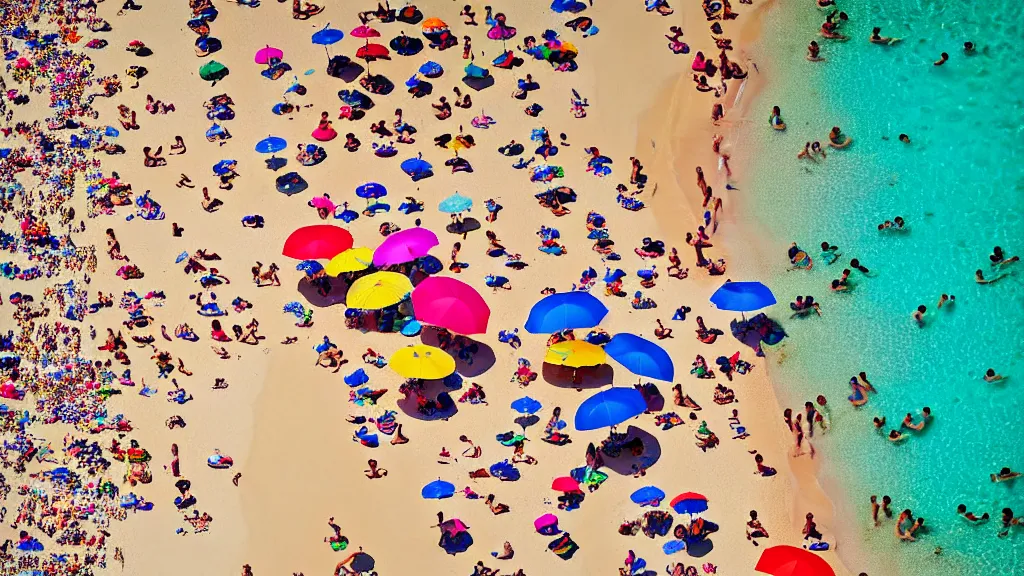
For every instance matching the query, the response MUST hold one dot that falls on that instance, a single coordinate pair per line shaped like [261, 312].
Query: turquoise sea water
[960, 187]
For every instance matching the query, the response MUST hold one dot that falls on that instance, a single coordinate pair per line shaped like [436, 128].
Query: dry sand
[282, 418]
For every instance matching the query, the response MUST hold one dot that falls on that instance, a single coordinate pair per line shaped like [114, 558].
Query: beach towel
[564, 547]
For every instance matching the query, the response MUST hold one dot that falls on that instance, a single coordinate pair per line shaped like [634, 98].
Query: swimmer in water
[980, 278]
[961, 509]
[943, 58]
[969, 48]
[946, 300]
[904, 138]
[1005, 475]
[991, 376]
[918, 315]
[877, 38]
[812, 52]
[837, 139]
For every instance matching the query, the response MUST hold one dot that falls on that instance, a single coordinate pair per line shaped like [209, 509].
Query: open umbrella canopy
[351, 260]
[742, 296]
[689, 503]
[648, 496]
[526, 405]
[417, 168]
[451, 304]
[362, 562]
[213, 70]
[404, 246]
[422, 362]
[371, 190]
[373, 52]
[431, 69]
[641, 357]
[271, 144]
[433, 25]
[609, 408]
[437, 490]
[318, 241]
[266, 54]
[378, 290]
[565, 310]
[224, 166]
[575, 354]
[565, 484]
[792, 561]
[364, 32]
[327, 36]
[455, 203]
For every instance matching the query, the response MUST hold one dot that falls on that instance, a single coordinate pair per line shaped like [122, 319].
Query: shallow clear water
[960, 186]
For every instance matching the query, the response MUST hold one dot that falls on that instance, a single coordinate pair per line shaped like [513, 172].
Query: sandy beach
[282, 418]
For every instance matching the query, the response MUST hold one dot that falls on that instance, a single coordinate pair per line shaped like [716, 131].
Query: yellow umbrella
[378, 290]
[351, 260]
[423, 362]
[575, 354]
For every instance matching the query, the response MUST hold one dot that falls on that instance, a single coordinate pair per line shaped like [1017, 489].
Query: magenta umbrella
[451, 304]
[268, 53]
[364, 32]
[404, 246]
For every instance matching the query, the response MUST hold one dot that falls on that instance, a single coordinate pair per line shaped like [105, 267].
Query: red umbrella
[314, 242]
[451, 304]
[565, 484]
[373, 52]
[792, 561]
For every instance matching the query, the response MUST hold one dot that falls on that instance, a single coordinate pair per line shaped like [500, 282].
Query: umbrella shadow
[482, 359]
[468, 225]
[312, 297]
[274, 163]
[424, 88]
[623, 464]
[432, 389]
[378, 84]
[478, 84]
[700, 548]
[527, 421]
[590, 376]
[349, 72]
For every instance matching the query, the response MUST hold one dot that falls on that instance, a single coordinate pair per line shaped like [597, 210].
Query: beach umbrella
[742, 296]
[373, 52]
[357, 378]
[526, 405]
[647, 496]
[433, 25]
[575, 354]
[327, 36]
[451, 304]
[406, 45]
[404, 246]
[271, 144]
[378, 290]
[641, 357]
[318, 241]
[224, 166]
[364, 32]
[455, 203]
[422, 362]
[564, 310]
[213, 70]
[565, 484]
[362, 562]
[309, 267]
[689, 503]
[792, 561]
[371, 190]
[454, 526]
[417, 168]
[266, 54]
[437, 490]
[431, 69]
[351, 260]
[609, 408]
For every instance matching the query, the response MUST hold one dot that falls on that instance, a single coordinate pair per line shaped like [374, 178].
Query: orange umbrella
[431, 24]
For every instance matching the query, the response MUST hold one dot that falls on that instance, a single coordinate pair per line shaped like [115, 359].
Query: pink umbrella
[565, 484]
[268, 53]
[322, 202]
[364, 32]
[454, 526]
[545, 521]
[404, 246]
[451, 304]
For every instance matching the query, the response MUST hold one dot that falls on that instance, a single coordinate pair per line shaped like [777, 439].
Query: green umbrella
[213, 70]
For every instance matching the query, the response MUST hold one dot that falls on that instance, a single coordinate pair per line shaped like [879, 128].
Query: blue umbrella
[455, 203]
[111, 132]
[371, 190]
[327, 36]
[647, 496]
[437, 490]
[565, 310]
[417, 168]
[357, 378]
[431, 69]
[224, 166]
[526, 405]
[271, 144]
[742, 296]
[309, 267]
[609, 408]
[641, 357]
